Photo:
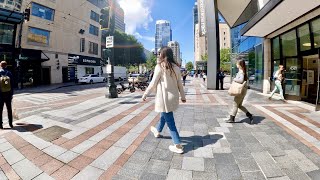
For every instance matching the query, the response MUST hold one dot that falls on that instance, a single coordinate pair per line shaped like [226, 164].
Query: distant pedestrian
[204, 76]
[184, 77]
[168, 85]
[241, 78]
[6, 94]
[279, 79]
[220, 78]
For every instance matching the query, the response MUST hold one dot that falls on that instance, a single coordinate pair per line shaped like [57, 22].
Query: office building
[163, 34]
[174, 45]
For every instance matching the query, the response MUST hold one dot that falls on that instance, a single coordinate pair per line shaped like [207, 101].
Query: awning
[276, 14]
[33, 55]
[236, 12]
[10, 16]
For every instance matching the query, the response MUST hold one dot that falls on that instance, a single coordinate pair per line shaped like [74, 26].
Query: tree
[204, 57]
[151, 62]
[225, 62]
[189, 66]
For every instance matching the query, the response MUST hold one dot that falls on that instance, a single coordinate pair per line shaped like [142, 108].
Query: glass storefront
[298, 50]
[251, 50]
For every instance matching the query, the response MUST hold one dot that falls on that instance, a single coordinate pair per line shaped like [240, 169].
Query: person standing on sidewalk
[168, 85]
[279, 78]
[6, 94]
[184, 77]
[221, 77]
[241, 77]
[204, 76]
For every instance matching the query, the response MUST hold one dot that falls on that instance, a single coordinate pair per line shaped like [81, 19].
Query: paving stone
[54, 150]
[192, 163]
[148, 176]
[88, 172]
[255, 147]
[314, 174]
[140, 157]
[280, 178]
[176, 162]
[199, 175]
[301, 160]
[26, 170]
[256, 175]
[132, 171]
[165, 143]
[224, 159]
[241, 153]
[290, 168]
[108, 158]
[5, 146]
[147, 146]
[158, 167]
[175, 174]
[43, 176]
[267, 164]
[12, 156]
[228, 172]
[209, 165]
[203, 152]
[247, 164]
[221, 150]
[67, 156]
[236, 143]
[162, 154]
[3, 176]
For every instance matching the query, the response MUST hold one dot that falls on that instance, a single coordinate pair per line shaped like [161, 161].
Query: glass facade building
[163, 34]
[251, 50]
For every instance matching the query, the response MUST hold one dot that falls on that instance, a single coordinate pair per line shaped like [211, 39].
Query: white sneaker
[154, 131]
[177, 148]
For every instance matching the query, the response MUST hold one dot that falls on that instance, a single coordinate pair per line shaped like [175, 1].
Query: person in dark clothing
[6, 93]
[184, 77]
[221, 77]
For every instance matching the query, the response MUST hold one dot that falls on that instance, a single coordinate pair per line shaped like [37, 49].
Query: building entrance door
[310, 79]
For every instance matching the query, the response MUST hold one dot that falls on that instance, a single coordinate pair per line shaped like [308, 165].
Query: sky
[141, 17]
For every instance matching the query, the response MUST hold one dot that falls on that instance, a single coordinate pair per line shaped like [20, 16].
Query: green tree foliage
[151, 62]
[225, 61]
[127, 49]
[189, 66]
[204, 57]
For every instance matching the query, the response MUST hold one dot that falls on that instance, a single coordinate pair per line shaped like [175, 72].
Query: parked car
[137, 78]
[92, 78]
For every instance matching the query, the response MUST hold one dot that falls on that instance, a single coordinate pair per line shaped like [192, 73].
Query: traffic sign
[109, 42]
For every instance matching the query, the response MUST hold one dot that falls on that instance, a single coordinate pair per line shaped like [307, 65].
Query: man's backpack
[5, 84]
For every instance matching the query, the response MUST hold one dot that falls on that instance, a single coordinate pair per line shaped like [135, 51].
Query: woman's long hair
[166, 59]
[242, 64]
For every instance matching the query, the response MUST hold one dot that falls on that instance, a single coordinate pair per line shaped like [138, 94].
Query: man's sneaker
[154, 131]
[177, 148]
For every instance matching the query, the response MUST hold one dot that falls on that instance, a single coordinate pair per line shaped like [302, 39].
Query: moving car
[92, 78]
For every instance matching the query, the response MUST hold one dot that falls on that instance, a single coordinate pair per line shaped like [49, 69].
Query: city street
[76, 133]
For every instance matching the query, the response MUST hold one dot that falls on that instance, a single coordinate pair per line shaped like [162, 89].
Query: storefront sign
[83, 60]
[37, 38]
[202, 19]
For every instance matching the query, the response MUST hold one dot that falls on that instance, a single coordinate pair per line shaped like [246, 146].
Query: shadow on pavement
[194, 142]
[23, 127]
[256, 120]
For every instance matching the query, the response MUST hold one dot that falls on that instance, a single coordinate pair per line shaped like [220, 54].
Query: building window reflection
[6, 33]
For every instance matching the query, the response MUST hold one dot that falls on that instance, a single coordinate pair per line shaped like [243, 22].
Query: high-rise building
[163, 34]
[174, 45]
[195, 16]
[119, 18]
[224, 31]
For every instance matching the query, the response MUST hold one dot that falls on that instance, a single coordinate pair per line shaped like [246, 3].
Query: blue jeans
[169, 119]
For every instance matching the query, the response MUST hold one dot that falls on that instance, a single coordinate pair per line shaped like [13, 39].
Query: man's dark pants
[6, 98]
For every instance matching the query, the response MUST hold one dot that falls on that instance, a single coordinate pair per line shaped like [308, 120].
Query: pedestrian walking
[6, 94]
[168, 85]
[221, 76]
[184, 77]
[278, 77]
[241, 78]
[204, 76]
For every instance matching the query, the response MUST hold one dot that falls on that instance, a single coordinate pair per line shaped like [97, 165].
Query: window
[42, 12]
[94, 16]
[94, 30]
[304, 36]
[289, 44]
[316, 32]
[57, 56]
[93, 48]
[82, 44]
[89, 70]
[98, 3]
[38, 36]
[6, 33]
[293, 76]
[276, 48]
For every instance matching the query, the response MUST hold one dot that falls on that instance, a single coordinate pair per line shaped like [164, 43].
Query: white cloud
[137, 14]
[148, 38]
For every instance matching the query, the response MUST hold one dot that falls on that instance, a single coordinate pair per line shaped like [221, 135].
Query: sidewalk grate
[51, 133]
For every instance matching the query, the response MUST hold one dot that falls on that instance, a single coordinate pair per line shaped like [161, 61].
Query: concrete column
[212, 28]
[267, 65]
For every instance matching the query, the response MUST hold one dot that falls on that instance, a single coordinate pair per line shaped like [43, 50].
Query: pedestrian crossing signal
[105, 18]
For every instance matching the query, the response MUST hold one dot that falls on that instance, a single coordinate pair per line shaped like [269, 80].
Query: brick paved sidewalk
[110, 139]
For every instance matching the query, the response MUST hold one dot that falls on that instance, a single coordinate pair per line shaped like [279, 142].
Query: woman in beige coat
[167, 82]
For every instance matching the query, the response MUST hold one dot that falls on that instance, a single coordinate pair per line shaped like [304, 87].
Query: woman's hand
[143, 98]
